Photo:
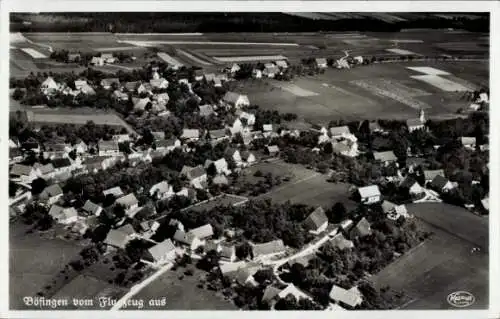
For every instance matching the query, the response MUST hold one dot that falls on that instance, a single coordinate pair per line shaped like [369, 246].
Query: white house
[351, 297]
[321, 63]
[161, 253]
[221, 166]
[129, 202]
[24, 173]
[51, 194]
[49, 86]
[317, 221]
[187, 239]
[236, 100]
[256, 74]
[168, 145]
[369, 194]
[160, 83]
[63, 215]
[269, 249]
[161, 190]
[282, 64]
[196, 175]
[234, 68]
[468, 142]
[190, 134]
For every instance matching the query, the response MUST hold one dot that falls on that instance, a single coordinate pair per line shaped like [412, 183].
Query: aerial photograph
[249, 161]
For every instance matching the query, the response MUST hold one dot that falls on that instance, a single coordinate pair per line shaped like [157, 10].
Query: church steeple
[422, 116]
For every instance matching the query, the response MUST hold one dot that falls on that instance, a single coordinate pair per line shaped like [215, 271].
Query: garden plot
[441, 83]
[155, 43]
[251, 58]
[401, 51]
[192, 57]
[34, 53]
[406, 41]
[397, 92]
[111, 49]
[294, 89]
[428, 70]
[361, 42]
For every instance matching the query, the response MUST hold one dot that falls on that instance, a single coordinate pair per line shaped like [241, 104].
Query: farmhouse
[413, 187]
[187, 239]
[161, 253]
[25, 173]
[441, 184]
[221, 166]
[95, 163]
[74, 57]
[207, 110]
[217, 136]
[272, 150]
[63, 215]
[167, 145]
[120, 138]
[97, 60]
[49, 86]
[248, 157]
[190, 134]
[115, 191]
[227, 252]
[108, 58]
[350, 298]
[108, 148]
[119, 238]
[91, 208]
[129, 202]
[281, 64]
[294, 291]
[345, 148]
[196, 175]
[468, 142]
[268, 249]
[394, 211]
[47, 170]
[140, 104]
[51, 194]
[385, 158]
[362, 229]
[321, 63]
[202, 232]
[61, 165]
[341, 242]
[119, 95]
[235, 99]
[369, 194]
[418, 123]
[271, 71]
[161, 190]
[339, 132]
[110, 82]
[317, 221]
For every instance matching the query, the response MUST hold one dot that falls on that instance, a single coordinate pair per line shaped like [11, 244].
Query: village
[164, 177]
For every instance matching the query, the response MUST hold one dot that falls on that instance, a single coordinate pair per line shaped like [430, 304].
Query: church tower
[422, 116]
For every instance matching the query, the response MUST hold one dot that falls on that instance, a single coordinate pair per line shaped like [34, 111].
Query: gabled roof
[231, 97]
[47, 168]
[166, 143]
[439, 181]
[281, 63]
[369, 191]
[387, 156]
[21, 170]
[267, 127]
[56, 147]
[190, 133]
[52, 190]
[316, 219]
[109, 81]
[115, 191]
[341, 242]
[294, 291]
[220, 180]
[202, 231]
[272, 247]
[413, 122]
[107, 146]
[183, 237]
[273, 148]
[161, 249]
[339, 130]
[468, 140]
[270, 293]
[431, 174]
[91, 208]
[156, 83]
[127, 200]
[119, 237]
[61, 162]
[388, 206]
[216, 134]
[140, 104]
[206, 110]
[362, 228]
[349, 297]
[161, 187]
[193, 172]
[55, 211]
[227, 251]
[320, 60]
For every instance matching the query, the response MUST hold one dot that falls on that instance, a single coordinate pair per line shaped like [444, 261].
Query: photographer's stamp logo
[461, 299]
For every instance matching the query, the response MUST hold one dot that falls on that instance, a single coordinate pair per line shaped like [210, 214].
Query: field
[224, 200]
[182, 294]
[33, 262]
[444, 263]
[69, 116]
[307, 187]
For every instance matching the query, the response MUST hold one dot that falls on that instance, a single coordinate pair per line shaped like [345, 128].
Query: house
[202, 232]
[63, 215]
[87, 89]
[272, 150]
[267, 128]
[385, 158]
[198, 75]
[74, 57]
[15, 155]
[161, 190]
[468, 142]
[233, 154]
[108, 148]
[339, 131]
[394, 211]
[227, 252]
[161, 253]
[270, 295]
[92, 209]
[256, 74]
[271, 71]
[321, 63]
[345, 148]
[341, 242]
[282, 64]
[247, 119]
[141, 104]
[268, 249]
[207, 110]
[236, 100]
[441, 184]
[108, 83]
[119, 95]
[248, 157]
[236, 127]
[24, 173]
[167, 145]
[55, 150]
[160, 83]
[80, 147]
[217, 136]
[97, 61]
[431, 174]
[196, 176]
[414, 124]
[413, 187]
[190, 134]
[369, 194]
[120, 138]
[209, 77]
[119, 238]
[317, 221]
[158, 135]
[244, 275]
[220, 180]
[362, 229]
[96, 163]
[221, 166]
[51, 194]
[129, 202]
[115, 191]
[80, 83]
[108, 58]
[187, 239]
[49, 86]
[47, 171]
[294, 291]
[161, 98]
[31, 146]
[350, 298]
[61, 165]
[485, 202]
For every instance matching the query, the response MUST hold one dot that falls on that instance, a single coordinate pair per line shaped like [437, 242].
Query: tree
[337, 213]
[38, 185]
[264, 275]
[13, 187]
[243, 251]
[209, 261]
[18, 94]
